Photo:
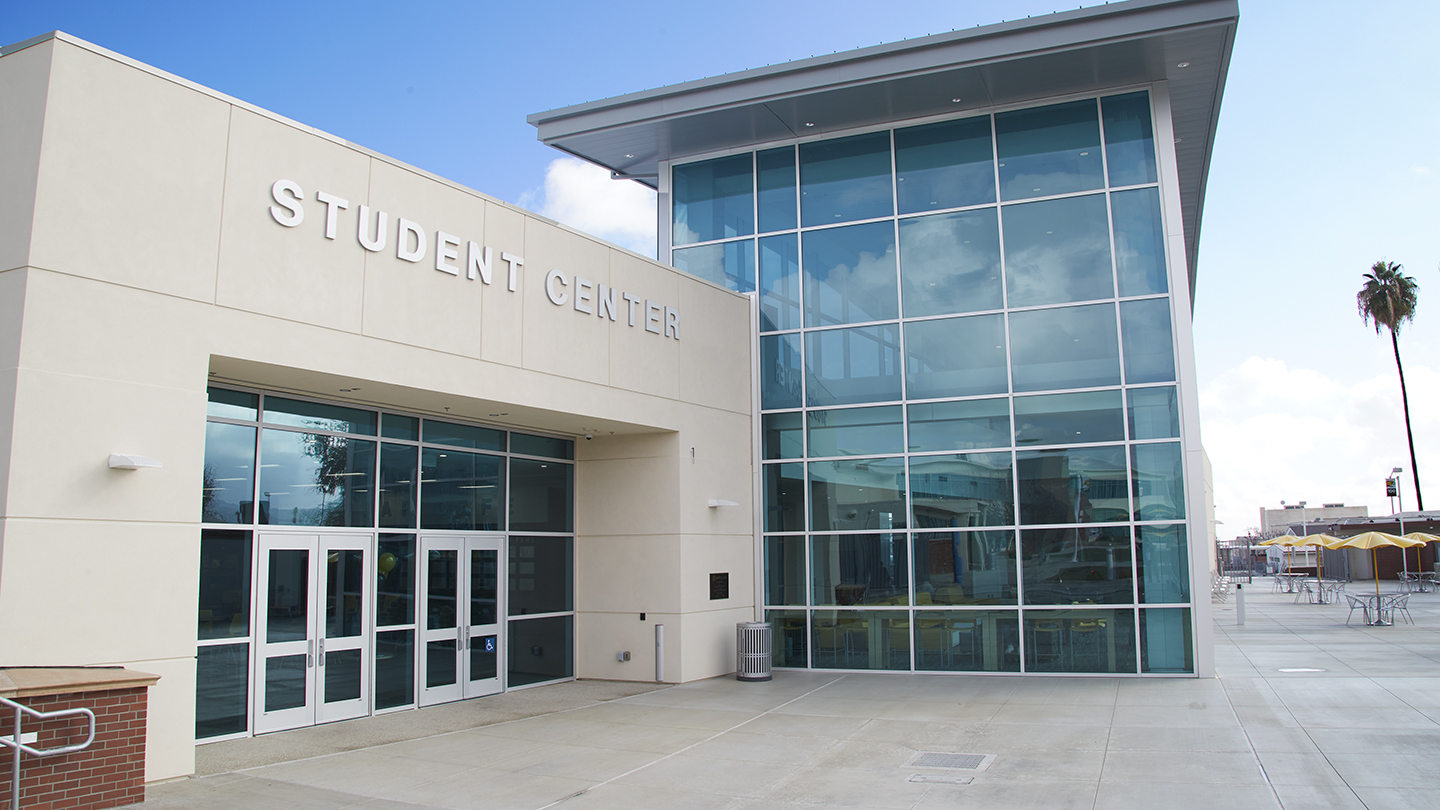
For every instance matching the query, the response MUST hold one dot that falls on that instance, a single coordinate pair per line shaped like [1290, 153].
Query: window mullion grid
[908, 502]
[1139, 657]
[755, 209]
[806, 580]
[1104, 142]
[1016, 531]
[806, 327]
[1110, 240]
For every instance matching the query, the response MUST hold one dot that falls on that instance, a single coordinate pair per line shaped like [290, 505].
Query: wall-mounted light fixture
[130, 461]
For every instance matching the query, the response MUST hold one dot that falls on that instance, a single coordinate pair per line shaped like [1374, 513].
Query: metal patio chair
[1401, 605]
[1356, 602]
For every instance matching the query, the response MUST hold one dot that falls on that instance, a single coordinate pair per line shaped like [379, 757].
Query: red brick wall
[1390, 566]
[110, 773]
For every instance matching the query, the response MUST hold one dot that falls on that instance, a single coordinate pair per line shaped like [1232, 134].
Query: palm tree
[1388, 298]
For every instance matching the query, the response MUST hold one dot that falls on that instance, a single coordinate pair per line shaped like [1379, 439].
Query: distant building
[1296, 515]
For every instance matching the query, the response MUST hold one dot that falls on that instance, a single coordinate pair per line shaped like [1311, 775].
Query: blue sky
[1326, 161]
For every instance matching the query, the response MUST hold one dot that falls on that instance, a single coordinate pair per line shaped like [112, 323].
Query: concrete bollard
[1239, 605]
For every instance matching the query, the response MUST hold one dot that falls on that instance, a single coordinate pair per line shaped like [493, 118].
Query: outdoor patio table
[1428, 581]
[1330, 591]
[1379, 608]
[1290, 580]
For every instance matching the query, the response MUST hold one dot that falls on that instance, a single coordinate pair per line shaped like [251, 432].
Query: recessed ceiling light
[956, 100]
[809, 123]
[1183, 65]
[630, 156]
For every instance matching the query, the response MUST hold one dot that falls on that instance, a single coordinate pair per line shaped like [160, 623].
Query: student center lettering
[412, 244]
[934, 411]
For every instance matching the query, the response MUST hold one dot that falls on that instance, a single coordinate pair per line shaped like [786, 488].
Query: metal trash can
[752, 651]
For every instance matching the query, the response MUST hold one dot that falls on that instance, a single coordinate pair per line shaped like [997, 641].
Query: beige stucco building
[143, 260]
[1298, 514]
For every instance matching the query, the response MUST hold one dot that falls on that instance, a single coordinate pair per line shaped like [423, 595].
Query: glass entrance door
[312, 630]
[462, 593]
[483, 636]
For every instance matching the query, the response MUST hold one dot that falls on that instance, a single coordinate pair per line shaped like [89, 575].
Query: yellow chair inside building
[1047, 644]
[1086, 638]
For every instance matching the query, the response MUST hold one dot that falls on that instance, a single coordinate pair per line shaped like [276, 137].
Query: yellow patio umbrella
[1323, 541]
[1318, 540]
[1372, 541]
[1423, 537]
[1284, 541]
[1296, 541]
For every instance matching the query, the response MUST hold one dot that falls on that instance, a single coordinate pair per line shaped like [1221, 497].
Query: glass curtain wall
[970, 420]
[273, 462]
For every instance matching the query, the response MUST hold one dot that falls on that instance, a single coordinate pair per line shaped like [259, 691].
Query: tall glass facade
[970, 428]
[277, 465]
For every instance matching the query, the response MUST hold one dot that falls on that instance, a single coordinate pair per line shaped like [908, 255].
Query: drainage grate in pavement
[941, 759]
[941, 780]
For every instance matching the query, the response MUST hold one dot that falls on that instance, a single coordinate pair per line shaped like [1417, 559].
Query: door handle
[322, 652]
[309, 654]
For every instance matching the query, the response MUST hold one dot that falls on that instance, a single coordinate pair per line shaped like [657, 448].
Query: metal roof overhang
[1081, 51]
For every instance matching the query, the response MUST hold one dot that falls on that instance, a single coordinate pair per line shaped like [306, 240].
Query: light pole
[1305, 532]
[1400, 497]
[1400, 516]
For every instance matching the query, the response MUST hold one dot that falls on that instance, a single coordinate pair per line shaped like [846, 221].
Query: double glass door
[461, 594]
[312, 629]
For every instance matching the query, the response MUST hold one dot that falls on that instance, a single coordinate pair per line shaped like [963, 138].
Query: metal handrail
[17, 746]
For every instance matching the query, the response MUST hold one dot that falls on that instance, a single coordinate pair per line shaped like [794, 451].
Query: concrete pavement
[1306, 713]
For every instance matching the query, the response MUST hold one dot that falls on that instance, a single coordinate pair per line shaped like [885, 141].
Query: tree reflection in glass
[316, 479]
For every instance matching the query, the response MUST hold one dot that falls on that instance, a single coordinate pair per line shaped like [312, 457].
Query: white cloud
[583, 196]
[1279, 433]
